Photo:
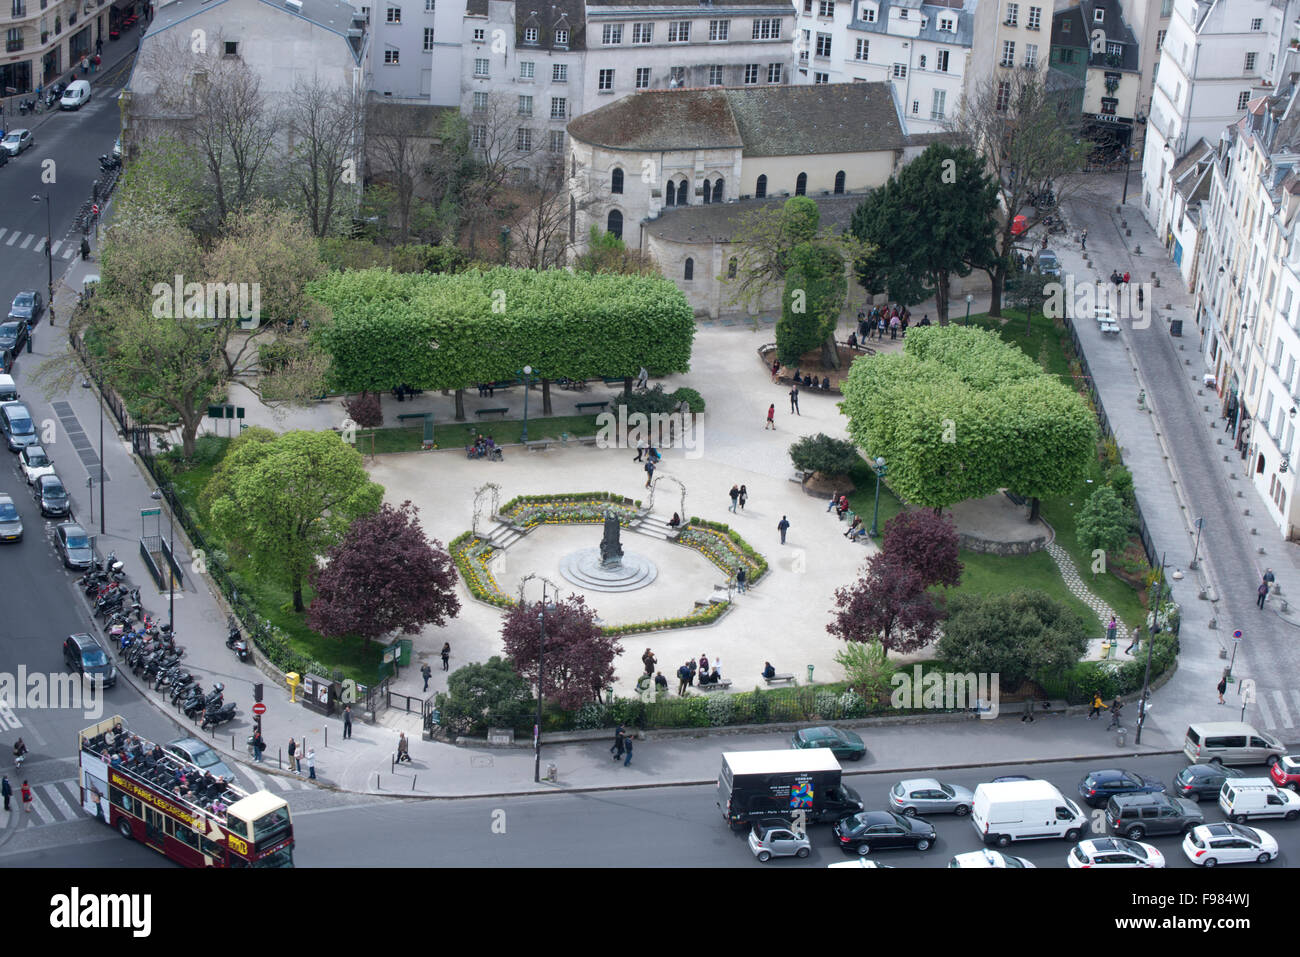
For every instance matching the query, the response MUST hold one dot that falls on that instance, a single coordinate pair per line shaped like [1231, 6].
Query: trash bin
[1121, 736]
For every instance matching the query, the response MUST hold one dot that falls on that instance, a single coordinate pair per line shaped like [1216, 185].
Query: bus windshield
[268, 828]
[281, 858]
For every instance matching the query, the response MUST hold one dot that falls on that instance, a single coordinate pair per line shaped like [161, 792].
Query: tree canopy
[925, 542]
[821, 453]
[578, 658]
[1018, 635]
[1103, 521]
[889, 604]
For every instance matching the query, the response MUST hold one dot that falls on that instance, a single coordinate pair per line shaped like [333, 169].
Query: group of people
[840, 502]
[119, 750]
[692, 671]
[739, 495]
[893, 317]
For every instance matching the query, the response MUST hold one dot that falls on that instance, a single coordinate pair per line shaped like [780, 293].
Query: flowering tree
[578, 659]
[926, 543]
[888, 604]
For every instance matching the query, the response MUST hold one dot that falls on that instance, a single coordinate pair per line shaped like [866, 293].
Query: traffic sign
[1236, 635]
[259, 709]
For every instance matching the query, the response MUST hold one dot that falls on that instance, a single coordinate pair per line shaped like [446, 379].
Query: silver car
[777, 838]
[11, 526]
[926, 796]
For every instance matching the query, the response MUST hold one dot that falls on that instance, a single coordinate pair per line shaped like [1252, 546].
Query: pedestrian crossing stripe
[53, 803]
[1281, 707]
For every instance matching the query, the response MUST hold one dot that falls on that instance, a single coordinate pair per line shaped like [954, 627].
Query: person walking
[1135, 640]
[640, 450]
[426, 672]
[6, 789]
[776, 371]
[735, 497]
[1222, 687]
[744, 496]
[649, 660]
[771, 417]
[617, 749]
[628, 744]
[259, 745]
[1263, 595]
[446, 654]
[1111, 627]
[1098, 706]
[740, 579]
[347, 719]
[27, 798]
[293, 750]
[1029, 710]
[649, 472]
[794, 400]
[403, 748]
[1268, 572]
[1083, 239]
[783, 526]
[1116, 707]
[682, 676]
[311, 763]
[690, 672]
[85, 248]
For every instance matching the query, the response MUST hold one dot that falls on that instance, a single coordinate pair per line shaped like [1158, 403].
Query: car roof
[47, 478]
[6, 497]
[83, 639]
[920, 783]
[189, 744]
[33, 449]
[17, 132]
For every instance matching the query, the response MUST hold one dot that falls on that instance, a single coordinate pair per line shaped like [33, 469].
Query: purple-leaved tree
[888, 604]
[579, 659]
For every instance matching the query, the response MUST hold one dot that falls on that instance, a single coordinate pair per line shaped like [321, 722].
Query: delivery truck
[759, 785]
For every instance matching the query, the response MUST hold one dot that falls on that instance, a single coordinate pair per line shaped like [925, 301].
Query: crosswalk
[17, 239]
[1274, 710]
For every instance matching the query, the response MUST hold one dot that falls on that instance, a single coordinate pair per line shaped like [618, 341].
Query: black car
[83, 655]
[1098, 787]
[12, 335]
[51, 496]
[1201, 781]
[1136, 815]
[28, 304]
[869, 831]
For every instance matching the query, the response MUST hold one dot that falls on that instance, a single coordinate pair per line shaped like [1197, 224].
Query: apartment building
[415, 50]
[46, 38]
[1095, 58]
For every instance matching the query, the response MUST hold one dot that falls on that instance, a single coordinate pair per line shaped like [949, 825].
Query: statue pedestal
[586, 570]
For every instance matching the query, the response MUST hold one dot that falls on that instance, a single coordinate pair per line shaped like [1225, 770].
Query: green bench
[413, 415]
[501, 411]
[593, 405]
[614, 381]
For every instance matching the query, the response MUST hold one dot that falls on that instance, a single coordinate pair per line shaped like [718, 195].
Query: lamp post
[541, 649]
[49, 255]
[528, 371]
[157, 495]
[877, 466]
[969, 299]
[85, 384]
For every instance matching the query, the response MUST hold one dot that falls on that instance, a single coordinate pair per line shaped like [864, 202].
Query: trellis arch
[491, 492]
[654, 487]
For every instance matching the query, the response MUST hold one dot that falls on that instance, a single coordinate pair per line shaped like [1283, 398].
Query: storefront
[1110, 134]
[16, 78]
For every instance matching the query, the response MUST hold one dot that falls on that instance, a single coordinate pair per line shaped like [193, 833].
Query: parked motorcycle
[107, 162]
[215, 717]
[235, 640]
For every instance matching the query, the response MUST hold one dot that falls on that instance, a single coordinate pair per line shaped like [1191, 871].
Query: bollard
[810, 673]
[279, 759]
[552, 773]
[327, 737]
[1142, 398]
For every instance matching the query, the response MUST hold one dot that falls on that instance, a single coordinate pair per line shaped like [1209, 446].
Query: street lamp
[49, 254]
[85, 384]
[541, 649]
[969, 299]
[528, 371]
[877, 466]
[157, 495]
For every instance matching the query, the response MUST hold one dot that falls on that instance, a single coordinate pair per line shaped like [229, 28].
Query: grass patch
[410, 438]
[984, 574]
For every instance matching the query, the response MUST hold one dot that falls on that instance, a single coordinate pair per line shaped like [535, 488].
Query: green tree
[484, 695]
[162, 183]
[933, 220]
[291, 499]
[607, 253]
[821, 453]
[1017, 635]
[815, 289]
[1103, 522]
[1028, 290]
[868, 669]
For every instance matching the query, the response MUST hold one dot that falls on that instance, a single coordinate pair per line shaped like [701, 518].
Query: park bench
[501, 411]
[535, 445]
[593, 405]
[587, 440]
[722, 685]
[616, 380]
[779, 677]
[413, 415]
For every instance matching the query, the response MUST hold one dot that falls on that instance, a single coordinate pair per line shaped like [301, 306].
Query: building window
[479, 34]
[560, 73]
[391, 57]
[760, 188]
[605, 82]
[902, 13]
[804, 43]
[643, 78]
[616, 180]
[801, 185]
[611, 33]
[14, 39]
[394, 15]
[1008, 53]
[524, 140]
[1031, 55]
[869, 14]
[820, 78]
[1035, 18]
[480, 102]
[863, 50]
[614, 224]
[945, 24]
[428, 6]
[1098, 15]
[921, 65]
[839, 182]
[1243, 100]
[1004, 96]
[941, 61]
[900, 70]
[732, 266]
[719, 29]
[688, 271]
[937, 106]
[643, 32]
[916, 107]
[1013, 14]
[679, 31]
[683, 198]
[1108, 105]
[823, 45]
[530, 34]
[1115, 49]
[1065, 26]
[767, 28]
[1257, 24]
[559, 107]
[526, 69]
[555, 144]
[561, 38]
[676, 77]
[1250, 62]
[525, 106]
[428, 38]
[774, 73]
[573, 219]
[1160, 38]
[826, 8]
[751, 72]
[715, 76]
[480, 66]
[478, 137]
[717, 190]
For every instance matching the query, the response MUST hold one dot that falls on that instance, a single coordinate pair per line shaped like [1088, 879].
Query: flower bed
[723, 546]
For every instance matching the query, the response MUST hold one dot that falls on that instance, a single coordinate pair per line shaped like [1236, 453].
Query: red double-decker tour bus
[172, 806]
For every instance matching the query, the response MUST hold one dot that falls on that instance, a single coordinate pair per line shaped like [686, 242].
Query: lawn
[451, 435]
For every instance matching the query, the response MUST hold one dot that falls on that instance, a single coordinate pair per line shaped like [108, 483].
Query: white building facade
[416, 50]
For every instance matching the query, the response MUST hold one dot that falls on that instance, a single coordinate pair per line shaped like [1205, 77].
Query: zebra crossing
[1273, 710]
[275, 782]
[62, 249]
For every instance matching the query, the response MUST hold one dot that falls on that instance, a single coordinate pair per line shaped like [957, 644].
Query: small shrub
[853, 705]
[721, 709]
[591, 716]
[827, 705]
[821, 453]
[694, 401]
[365, 410]
[1121, 480]
[627, 711]
[761, 709]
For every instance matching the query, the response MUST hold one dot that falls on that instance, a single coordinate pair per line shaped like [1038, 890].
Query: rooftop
[719, 222]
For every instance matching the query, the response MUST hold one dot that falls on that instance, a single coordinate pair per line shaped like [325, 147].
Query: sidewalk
[114, 54]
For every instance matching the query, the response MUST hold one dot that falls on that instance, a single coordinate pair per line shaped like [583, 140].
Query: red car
[1285, 772]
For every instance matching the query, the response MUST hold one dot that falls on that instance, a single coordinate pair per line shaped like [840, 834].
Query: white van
[8, 389]
[1246, 798]
[1025, 810]
[1230, 742]
[75, 96]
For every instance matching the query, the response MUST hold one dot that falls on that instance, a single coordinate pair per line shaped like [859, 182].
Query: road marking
[54, 794]
[12, 239]
[43, 814]
[1295, 697]
[2, 233]
[67, 253]
[1281, 707]
[28, 241]
[1267, 716]
[55, 248]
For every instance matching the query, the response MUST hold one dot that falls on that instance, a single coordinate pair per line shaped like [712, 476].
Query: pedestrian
[27, 798]
[1268, 572]
[628, 743]
[682, 676]
[259, 745]
[1222, 687]
[617, 749]
[744, 496]
[649, 660]
[6, 789]
[426, 672]
[740, 579]
[661, 683]
[293, 750]
[1083, 239]
[782, 526]
[735, 497]
[690, 671]
[1263, 594]
[771, 417]
[1098, 706]
[347, 720]
[1029, 710]
[446, 654]
[649, 473]
[85, 65]
[704, 664]
[85, 248]
[99, 46]
[835, 497]
[1116, 707]
[403, 748]
[311, 763]
[794, 400]
[640, 450]
[1111, 627]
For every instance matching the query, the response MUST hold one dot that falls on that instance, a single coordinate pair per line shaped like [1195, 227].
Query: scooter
[235, 641]
[107, 162]
[214, 717]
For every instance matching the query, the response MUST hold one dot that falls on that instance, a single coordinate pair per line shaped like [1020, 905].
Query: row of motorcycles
[48, 99]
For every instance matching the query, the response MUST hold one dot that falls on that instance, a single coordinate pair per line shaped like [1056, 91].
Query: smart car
[777, 838]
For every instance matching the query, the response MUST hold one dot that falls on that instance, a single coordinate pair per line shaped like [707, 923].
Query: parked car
[16, 425]
[11, 524]
[1098, 787]
[74, 545]
[928, 796]
[13, 334]
[1212, 844]
[1113, 852]
[1202, 781]
[51, 496]
[1231, 742]
[197, 752]
[861, 862]
[75, 96]
[16, 141]
[777, 838]
[8, 389]
[843, 744]
[882, 830]
[1285, 772]
[34, 463]
[84, 656]
[28, 304]
[1136, 815]
[1048, 264]
[988, 858]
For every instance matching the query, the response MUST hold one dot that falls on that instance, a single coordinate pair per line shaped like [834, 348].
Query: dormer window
[946, 24]
[1098, 15]
[561, 38]
[902, 13]
[478, 32]
[530, 34]
[869, 14]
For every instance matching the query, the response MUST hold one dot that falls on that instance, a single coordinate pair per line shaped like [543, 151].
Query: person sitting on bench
[768, 671]
[675, 521]
[826, 383]
[842, 506]
[816, 383]
[855, 534]
[807, 382]
[857, 520]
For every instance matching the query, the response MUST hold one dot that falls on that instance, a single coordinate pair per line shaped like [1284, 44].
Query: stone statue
[611, 552]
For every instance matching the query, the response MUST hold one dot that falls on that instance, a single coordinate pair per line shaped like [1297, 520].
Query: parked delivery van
[1025, 810]
[757, 785]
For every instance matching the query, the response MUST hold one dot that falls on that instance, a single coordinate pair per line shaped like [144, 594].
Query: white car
[1109, 852]
[1212, 844]
[988, 858]
[860, 862]
[34, 463]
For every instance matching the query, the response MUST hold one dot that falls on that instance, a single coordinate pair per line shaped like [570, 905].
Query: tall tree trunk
[995, 295]
[189, 432]
[460, 405]
[1033, 509]
[941, 296]
[627, 385]
[546, 397]
[830, 353]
